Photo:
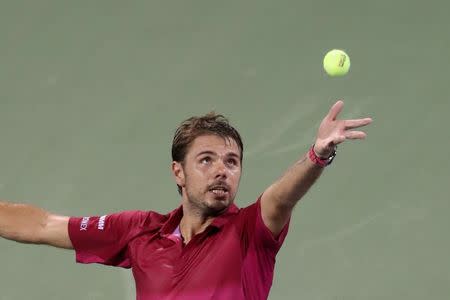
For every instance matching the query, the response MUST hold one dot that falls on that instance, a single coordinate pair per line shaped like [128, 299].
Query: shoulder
[240, 217]
[128, 220]
[143, 218]
[251, 210]
[253, 225]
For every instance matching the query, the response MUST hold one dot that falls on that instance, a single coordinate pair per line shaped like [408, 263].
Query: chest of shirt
[211, 259]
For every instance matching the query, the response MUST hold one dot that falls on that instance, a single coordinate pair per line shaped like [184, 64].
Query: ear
[178, 173]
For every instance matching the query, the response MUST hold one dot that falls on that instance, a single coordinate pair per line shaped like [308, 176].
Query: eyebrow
[213, 153]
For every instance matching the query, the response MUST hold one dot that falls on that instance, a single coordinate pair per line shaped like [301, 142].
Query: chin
[210, 205]
[217, 206]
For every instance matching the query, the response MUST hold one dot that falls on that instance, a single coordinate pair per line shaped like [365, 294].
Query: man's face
[210, 174]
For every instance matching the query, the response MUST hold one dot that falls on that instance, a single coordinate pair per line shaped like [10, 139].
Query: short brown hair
[191, 128]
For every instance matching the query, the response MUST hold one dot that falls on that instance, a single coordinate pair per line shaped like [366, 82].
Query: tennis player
[207, 248]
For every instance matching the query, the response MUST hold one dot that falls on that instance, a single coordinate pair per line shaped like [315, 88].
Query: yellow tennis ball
[336, 63]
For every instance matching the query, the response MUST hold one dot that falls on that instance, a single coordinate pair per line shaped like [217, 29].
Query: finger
[350, 124]
[355, 135]
[335, 110]
[339, 139]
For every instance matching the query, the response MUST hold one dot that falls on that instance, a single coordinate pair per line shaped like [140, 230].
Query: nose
[220, 170]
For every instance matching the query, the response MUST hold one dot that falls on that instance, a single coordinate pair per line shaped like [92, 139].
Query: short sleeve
[263, 233]
[260, 248]
[104, 239]
[258, 234]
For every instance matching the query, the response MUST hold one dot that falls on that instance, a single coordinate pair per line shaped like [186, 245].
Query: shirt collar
[222, 219]
[175, 216]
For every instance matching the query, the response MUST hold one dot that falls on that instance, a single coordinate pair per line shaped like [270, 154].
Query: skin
[30, 224]
[211, 162]
[279, 199]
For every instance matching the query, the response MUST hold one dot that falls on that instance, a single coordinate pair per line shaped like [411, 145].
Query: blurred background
[91, 92]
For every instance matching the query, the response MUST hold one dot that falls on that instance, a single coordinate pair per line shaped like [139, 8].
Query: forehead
[214, 143]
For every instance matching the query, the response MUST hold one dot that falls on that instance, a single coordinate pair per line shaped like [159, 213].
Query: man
[207, 248]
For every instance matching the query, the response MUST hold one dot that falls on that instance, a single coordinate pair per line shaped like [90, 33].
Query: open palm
[333, 131]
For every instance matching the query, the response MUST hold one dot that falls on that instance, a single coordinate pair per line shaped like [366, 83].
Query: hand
[333, 132]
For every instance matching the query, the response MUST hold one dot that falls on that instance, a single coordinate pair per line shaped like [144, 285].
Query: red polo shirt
[232, 259]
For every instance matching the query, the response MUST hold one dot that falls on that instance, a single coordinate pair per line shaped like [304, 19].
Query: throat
[188, 228]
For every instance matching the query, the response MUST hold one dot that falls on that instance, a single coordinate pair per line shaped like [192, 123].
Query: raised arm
[28, 224]
[280, 198]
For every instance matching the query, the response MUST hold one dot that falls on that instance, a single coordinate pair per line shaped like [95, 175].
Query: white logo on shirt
[84, 224]
[101, 223]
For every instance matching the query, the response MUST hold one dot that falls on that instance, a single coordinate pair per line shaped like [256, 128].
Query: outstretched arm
[29, 224]
[279, 199]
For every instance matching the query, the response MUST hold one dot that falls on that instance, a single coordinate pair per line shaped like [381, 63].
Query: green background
[91, 92]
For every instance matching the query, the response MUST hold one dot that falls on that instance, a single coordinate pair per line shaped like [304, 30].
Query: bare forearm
[295, 182]
[21, 222]
[279, 199]
[28, 224]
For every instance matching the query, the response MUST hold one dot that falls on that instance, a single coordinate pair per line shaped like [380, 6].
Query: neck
[193, 223]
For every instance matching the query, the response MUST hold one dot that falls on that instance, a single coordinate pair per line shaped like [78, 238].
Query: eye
[232, 162]
[205, 160]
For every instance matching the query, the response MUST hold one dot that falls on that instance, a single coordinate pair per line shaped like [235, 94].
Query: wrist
[320, 154]
[320, 159]
[323, 151]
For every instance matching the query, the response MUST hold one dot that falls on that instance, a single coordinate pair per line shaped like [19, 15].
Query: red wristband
[323, 162]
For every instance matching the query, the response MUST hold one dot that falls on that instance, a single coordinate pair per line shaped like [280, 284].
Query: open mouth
[219, 190]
